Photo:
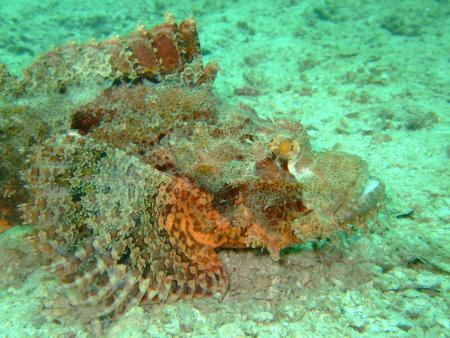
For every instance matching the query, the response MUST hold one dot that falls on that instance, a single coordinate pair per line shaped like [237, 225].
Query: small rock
[230, 330]
[405, 325]
[416, 307]
[428, 280]
[262, 316]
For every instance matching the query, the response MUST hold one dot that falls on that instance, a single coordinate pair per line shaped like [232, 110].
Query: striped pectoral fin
[211, 279]
[66, 266]
[201, 274]
[204, 274]
[95, 284]
[117, 301]
[133, 298]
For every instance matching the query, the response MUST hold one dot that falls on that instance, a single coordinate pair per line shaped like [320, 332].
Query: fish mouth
[369, 199]
[357, 207]
[337, 187]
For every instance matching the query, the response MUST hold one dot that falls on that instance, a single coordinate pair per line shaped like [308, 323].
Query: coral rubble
[135, 187]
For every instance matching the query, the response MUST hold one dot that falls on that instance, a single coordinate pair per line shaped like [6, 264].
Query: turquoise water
[362, 77]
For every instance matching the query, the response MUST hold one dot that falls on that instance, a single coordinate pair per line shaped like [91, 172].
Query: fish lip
[374, 189]
[370, 197]
[371, 186]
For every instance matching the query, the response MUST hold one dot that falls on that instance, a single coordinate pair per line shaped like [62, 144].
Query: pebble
[230, 330]
[428, 280]
[262, 316]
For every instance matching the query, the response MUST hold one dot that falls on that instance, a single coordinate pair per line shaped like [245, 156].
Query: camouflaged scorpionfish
[152, 175]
